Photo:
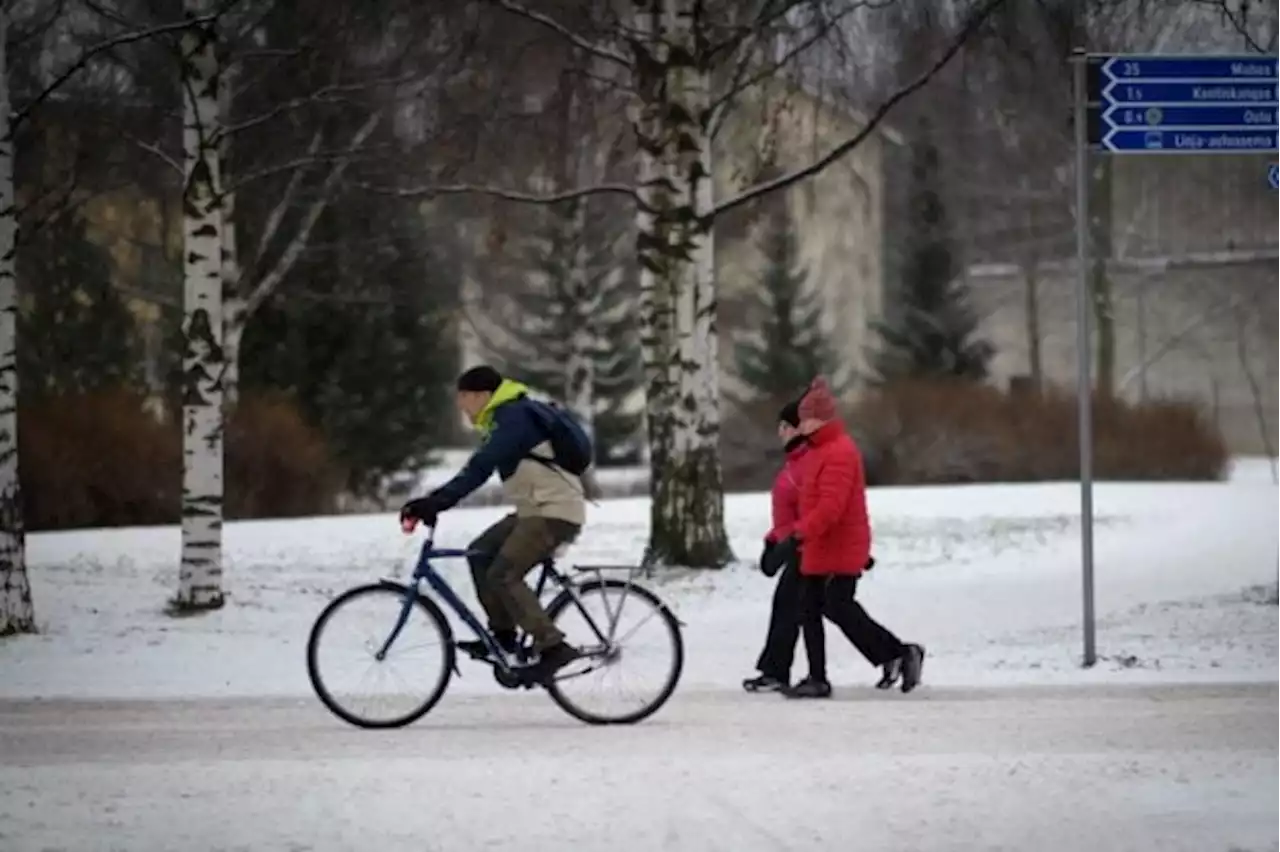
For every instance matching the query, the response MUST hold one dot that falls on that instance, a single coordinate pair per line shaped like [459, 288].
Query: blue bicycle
[387, 615]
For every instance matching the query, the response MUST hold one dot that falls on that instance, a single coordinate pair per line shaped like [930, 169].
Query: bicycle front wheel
[633, 653]
[365, 687]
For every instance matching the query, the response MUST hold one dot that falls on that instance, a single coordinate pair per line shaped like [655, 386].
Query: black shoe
[809, 688]
[912, 667]
[764, 683]
[892, 673]
[552, 660]
[477, 649]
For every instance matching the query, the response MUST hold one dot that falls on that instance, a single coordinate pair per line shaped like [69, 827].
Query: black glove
[780, 555]
[871, 563]
[764, 556]
[424, 510]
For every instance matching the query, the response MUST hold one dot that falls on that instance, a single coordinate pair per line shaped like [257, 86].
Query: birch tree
[231, 101]
[17, 611]
[203, 359]
[17, 614]
[684, 64]
[269, 89]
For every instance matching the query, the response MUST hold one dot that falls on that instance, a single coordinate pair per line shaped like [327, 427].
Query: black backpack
[571, 446]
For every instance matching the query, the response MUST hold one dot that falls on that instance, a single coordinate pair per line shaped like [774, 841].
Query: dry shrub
[97, 459]
[945, 433]
[277, 464]
[103, 459]
[954, 432]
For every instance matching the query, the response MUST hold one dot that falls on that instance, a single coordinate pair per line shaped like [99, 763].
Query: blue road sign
[1190, 67]
[1191, 116]
[1190, 141]
[1210, 92]
[1189, 104]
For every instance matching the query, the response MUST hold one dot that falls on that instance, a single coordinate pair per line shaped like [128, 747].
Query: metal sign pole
[1084, 390]
[1162, 105]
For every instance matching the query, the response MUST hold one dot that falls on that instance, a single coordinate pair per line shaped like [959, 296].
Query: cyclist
[540, 453]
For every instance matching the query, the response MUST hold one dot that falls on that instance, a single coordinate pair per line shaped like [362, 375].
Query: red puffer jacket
[834, 531]
[786, 495]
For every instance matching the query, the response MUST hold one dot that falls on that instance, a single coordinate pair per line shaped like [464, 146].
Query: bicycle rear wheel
[628, 637]
[344, 645]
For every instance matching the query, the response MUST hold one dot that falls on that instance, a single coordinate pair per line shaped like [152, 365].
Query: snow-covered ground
[1008, 745]
[987, 577]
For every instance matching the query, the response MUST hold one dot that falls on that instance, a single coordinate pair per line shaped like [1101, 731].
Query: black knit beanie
[483, 379]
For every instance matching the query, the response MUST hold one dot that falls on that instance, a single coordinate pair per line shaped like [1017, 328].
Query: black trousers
[834, 597]
[784, 627]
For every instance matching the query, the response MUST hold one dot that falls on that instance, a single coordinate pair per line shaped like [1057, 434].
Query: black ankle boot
[506, 640]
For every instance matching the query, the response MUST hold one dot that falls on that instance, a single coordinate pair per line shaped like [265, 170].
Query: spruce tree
[930, 330]
[566, 290]
[365, 340]
[790, 348]
[77, 333]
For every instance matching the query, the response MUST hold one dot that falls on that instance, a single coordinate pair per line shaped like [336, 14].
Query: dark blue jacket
[512, 429]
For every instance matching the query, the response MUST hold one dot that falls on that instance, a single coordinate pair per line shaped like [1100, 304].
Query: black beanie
[483, 379]
[790, 414]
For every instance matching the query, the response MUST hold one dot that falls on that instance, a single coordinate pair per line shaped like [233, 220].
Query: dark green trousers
[501, 557]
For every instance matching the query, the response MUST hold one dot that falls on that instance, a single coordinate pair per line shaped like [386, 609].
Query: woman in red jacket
[833, 539]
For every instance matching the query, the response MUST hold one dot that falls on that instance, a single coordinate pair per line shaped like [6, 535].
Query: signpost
[1154, 105]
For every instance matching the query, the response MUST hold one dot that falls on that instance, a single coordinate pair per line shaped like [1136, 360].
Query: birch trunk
[200, 576]
[17, 611]
[678, 289]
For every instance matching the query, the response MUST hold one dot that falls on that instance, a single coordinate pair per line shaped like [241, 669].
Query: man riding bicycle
[539, 453]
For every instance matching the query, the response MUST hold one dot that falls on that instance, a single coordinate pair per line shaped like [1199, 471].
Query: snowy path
[1096, 768]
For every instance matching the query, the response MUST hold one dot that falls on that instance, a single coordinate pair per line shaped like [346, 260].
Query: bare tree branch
[1172, 341]
[323, 93]
[564, 32]
[742, 80]
[506, 194]
[747, 36]
[343, 155]
[272, 224]
[1239, 20]
[21, 115]
[154, 150]
[269, 282]
[975, 22]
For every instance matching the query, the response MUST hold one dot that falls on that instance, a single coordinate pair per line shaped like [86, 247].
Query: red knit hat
[818, 403]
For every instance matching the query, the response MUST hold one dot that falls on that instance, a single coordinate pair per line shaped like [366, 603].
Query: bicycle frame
[425, 572]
